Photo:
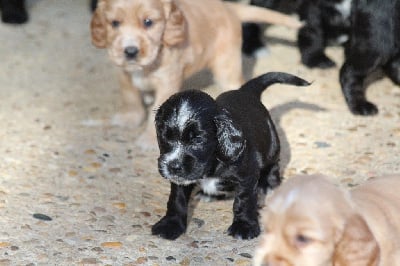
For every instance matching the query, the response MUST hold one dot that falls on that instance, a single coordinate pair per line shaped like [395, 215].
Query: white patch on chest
[344, 8]
[140, 81]
[210, 186]
[144, 85]
[342, 39]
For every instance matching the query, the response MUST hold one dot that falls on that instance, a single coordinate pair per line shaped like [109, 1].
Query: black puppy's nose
[131, 52]
[175, 167]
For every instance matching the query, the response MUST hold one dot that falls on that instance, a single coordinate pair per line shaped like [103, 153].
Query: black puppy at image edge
[13, 11]
[374, 44]
[220, 144]
[369, 32]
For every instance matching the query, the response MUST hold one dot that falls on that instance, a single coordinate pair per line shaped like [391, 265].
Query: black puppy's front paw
[244, 230]
[169, 227]
[318, 61]
[363, 108]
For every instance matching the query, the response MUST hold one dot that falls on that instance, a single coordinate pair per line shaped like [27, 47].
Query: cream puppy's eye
[302, 240]
[147, 22]
[115, 23]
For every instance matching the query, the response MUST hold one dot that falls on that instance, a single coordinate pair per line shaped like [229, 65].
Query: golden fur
[308, 221]
[184, 37]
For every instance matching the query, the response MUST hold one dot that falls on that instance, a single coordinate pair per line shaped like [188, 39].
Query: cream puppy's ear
[175, 28]
[98, 27]
[357, 245]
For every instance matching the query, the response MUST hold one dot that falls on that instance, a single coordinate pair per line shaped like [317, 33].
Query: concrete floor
[102, 193]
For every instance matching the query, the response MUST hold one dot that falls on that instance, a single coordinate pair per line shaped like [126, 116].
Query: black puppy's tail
[257, 85]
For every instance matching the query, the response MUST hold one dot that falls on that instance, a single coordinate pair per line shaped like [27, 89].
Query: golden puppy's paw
[147, 141]
[128, 119]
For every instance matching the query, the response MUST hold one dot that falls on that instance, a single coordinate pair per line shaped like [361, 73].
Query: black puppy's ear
[231, 142]
[159, 122]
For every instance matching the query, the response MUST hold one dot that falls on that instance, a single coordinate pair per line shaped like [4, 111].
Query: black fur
[374, 44]
[93, 4]
[253, 34]
[231, 139]
[252, 38]
[13, 11]
[325, 22]
[372, 28]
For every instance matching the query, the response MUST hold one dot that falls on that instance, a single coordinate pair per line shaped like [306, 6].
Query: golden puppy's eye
[302, 240]
[147, 23]
[115, 23]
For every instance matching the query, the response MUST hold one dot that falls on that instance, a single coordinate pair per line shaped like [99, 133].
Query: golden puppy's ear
[98, 27]
[357, 245]
[175, 28]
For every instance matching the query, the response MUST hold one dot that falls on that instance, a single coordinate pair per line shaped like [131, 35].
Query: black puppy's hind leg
[312, 45]
[174, 223]
[392, 69]
[270, 178]
[353, 87]
[311, 37]
[252, 41]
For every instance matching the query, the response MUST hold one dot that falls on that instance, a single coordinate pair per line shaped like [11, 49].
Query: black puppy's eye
[147, 22]
[192, 135]
[115, 23]
[171, 134]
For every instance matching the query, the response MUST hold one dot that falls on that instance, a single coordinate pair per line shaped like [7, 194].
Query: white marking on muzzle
[175, 154]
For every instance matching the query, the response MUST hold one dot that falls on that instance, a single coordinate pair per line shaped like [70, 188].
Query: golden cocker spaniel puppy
[309, 221]
[159, 43]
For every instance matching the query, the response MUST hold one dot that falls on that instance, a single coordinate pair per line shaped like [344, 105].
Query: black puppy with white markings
[219, 144]
[374, 44]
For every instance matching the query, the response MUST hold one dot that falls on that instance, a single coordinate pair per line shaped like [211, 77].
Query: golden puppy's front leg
[133, 111]
[227, 66]
[165, 87]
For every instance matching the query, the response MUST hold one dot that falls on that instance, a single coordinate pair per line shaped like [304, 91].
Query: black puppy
[219, 144]
[13, 11]
[252, 33]
[326, 22]
[374, 44]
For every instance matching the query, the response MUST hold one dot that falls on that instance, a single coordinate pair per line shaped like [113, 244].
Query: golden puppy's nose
[275, 261]
[131, 52]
